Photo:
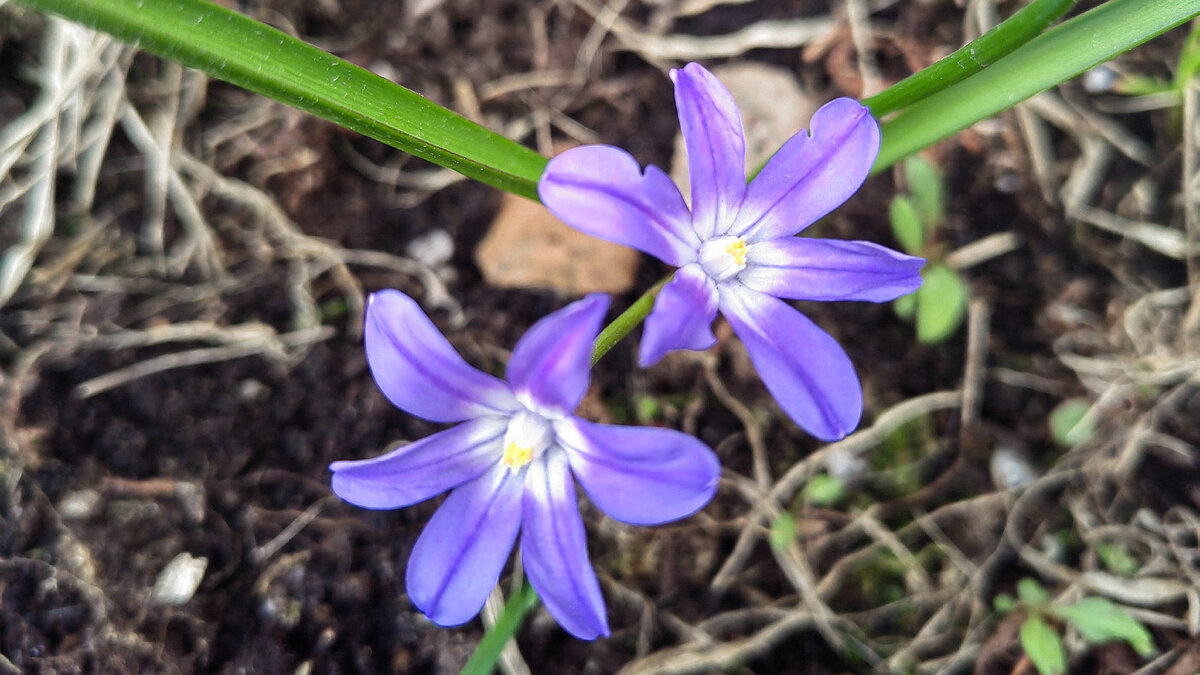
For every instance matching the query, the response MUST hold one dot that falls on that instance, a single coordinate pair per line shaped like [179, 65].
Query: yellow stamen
[516, 457]
[738, 250]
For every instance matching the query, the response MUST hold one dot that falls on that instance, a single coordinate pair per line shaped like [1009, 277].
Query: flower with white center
[735, 248]
[512, 462]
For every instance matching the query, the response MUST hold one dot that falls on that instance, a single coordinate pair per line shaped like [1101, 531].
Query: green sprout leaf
[1068, 426]
[1043, 646]
[906, 225]
[1116, 559]
[648, 408]
[1004, 603]
[906, 306]
[1031, 592]
[824, 490]
[783, 531]
[928, 193]
[1099, 620]
[941, 304]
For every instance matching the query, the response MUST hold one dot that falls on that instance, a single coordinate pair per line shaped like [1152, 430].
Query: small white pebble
[178, 581]
[845, 466]
[385, 70]
[79, 505]
[1011, 470]
[251, 389]
[1008, 183]
[1099, 80]
[434, 248]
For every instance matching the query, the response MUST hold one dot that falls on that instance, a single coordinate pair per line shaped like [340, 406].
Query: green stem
[1053, 57]
[627, 321]
[237, 49]
[483, 659]
[980, 53]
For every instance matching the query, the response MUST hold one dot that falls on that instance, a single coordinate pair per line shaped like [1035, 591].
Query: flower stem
[626, 322]
[973, 57]
[487, 652]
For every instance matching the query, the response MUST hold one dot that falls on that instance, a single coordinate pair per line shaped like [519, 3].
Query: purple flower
[735, 249]
[509, 464]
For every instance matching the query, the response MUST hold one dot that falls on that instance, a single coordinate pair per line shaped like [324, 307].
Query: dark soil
[216, 460]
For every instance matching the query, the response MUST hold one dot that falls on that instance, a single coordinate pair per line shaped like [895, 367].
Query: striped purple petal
[640, 475]
[601, 191]
[552, 361]
[459, 556]
[799, 268]
[418, 370]
[554, 549]
[812, 174]
[716, 148]
[682, 316]
[804, 368]
[423, 469]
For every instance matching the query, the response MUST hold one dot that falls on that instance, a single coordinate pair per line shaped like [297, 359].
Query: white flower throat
[527, 437]
[723, 257]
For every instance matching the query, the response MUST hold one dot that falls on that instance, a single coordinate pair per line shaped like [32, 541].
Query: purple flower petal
[601, 191]
[683, 313]
[552, 361]
[716, 149]
[640, 475]
[459, 556]
[829, 269]
[418, 370]
[804, 368]
[422, 469]
[811, 174]
[554, 549]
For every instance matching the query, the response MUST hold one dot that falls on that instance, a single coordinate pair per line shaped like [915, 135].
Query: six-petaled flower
[512, 462]
[736, 250]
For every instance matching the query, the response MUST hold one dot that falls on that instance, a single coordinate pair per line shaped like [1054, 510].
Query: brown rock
[527, 247]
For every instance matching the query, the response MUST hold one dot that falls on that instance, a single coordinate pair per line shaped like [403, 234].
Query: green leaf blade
[1018, 29]
[1053, 57]
[235, 48]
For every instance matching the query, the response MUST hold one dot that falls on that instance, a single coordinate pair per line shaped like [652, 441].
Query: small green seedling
[824, 490]
[1070, 424]
[939, 305]
[783, 531]
[1097, 619]
[1117, 559]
